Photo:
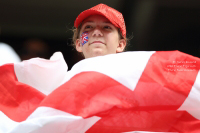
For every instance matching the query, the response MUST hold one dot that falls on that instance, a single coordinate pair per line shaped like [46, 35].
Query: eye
[88, 26]
[107, 27]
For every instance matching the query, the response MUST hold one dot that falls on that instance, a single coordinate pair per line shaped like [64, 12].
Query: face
[103, 37]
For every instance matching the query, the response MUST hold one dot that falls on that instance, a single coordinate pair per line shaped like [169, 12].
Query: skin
[103, 37]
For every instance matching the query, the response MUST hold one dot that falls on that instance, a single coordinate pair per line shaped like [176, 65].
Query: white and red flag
[130, 92]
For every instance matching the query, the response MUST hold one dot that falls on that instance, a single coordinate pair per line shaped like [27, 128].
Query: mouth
[97, 42]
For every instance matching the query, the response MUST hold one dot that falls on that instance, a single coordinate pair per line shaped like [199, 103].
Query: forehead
[96, 18]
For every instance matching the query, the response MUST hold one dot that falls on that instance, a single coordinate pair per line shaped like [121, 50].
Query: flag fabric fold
[125, 92]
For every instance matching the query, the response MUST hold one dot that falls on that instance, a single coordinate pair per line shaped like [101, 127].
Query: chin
[98, 52]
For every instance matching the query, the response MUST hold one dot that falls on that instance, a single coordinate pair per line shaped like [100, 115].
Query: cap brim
[88, 13]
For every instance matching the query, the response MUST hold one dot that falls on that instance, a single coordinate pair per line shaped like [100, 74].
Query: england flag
[129, 92]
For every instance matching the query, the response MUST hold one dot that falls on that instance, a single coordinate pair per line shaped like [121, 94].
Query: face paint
[84, 38]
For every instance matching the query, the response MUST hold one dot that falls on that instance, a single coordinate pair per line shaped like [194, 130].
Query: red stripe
[152, 106]
[18, 100]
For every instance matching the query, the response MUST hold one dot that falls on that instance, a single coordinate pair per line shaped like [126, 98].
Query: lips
[97, 42]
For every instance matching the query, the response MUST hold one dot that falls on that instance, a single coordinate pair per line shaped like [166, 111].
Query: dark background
[155, 25]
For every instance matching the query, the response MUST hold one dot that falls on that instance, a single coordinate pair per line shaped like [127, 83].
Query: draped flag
[130, 92]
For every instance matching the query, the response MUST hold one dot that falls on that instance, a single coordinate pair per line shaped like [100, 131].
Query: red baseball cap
[114, 16]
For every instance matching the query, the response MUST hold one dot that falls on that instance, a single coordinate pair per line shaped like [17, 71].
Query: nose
[97, 32]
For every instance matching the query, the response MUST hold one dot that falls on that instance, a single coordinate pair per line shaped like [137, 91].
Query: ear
[78, 45]
[121, 46]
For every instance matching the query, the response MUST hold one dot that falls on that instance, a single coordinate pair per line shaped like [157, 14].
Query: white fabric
[43, 75]
[120, 61]
[6, 123]
[7, 54]
[192, 102]
[47, 120]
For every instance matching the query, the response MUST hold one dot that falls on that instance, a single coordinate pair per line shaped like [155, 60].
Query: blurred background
[42, 27]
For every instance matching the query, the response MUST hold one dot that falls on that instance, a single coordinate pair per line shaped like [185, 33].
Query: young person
[99, 31]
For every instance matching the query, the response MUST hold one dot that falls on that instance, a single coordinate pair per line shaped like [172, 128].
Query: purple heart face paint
[84, 38]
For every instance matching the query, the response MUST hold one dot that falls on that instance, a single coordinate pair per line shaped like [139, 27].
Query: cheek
[84, 37]
[113, 39]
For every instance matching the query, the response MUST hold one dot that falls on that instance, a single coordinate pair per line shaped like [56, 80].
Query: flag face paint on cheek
[84, 38]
